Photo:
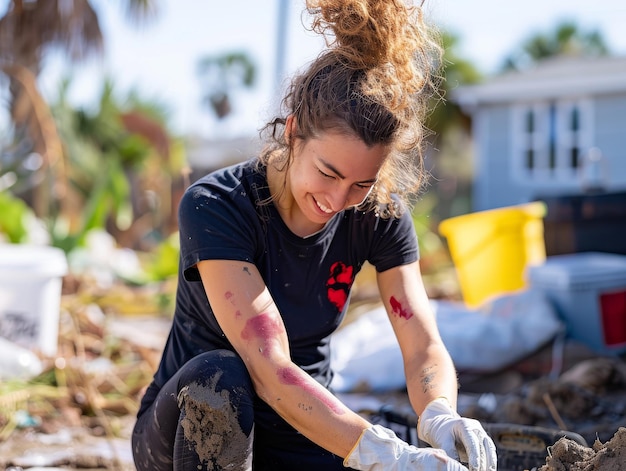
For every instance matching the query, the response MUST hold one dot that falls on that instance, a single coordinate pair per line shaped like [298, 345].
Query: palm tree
[28, 30]
[221, 75]
[567, 39]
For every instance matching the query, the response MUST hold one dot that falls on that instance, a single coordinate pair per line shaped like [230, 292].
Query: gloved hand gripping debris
[463, 439]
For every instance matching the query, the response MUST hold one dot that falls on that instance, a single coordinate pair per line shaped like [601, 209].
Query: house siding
[597, 88]
[494, 185]
[610, 137]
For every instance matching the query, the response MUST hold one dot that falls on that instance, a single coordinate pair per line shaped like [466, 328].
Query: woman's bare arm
[428, 367]
[250, 319]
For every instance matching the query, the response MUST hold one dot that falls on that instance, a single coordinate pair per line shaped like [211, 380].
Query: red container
[588, 290]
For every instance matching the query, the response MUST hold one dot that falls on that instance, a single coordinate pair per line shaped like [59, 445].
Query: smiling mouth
[323, 208]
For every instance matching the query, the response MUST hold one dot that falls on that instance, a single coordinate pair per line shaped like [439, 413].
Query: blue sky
[159, 59]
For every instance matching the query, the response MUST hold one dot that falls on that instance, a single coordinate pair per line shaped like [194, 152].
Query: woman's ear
[290, 128]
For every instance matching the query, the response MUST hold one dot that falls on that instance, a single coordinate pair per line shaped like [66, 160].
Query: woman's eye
[324, 174]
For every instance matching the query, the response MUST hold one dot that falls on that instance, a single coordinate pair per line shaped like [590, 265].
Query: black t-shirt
[226, 215]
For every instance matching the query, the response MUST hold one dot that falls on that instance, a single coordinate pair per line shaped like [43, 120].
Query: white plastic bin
[589, 293]
[30, 295]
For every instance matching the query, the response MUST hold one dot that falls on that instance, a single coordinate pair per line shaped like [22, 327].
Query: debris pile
[79, 411]
[567, 455]
[588, 399]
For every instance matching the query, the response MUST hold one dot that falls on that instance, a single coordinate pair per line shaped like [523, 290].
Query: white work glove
[461, 438]
[379, 449]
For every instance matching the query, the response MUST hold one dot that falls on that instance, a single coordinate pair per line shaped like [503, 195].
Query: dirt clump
[567, 455]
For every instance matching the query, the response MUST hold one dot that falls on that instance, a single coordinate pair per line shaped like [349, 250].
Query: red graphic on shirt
[339, 283]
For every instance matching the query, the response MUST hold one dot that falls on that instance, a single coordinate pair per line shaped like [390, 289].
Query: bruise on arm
[398, 310]
[265, 329]
[295, 377]
[245, 311]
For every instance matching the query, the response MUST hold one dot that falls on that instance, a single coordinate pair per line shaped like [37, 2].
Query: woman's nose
[338, 198]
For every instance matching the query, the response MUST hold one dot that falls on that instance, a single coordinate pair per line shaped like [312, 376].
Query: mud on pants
[208, 417]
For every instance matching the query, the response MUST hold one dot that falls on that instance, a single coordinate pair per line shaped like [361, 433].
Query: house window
[549, 139]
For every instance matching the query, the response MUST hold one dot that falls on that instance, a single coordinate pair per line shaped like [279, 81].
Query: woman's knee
[221, 369]
[217, 384]
[216, 404]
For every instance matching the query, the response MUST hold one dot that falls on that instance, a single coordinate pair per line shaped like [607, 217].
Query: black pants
[207, 417]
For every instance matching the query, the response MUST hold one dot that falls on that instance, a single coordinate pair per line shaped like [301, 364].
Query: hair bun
[368, 32]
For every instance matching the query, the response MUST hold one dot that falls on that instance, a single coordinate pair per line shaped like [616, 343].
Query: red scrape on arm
[396, 308]
[229, 296]
[263, 327]
[296, 378]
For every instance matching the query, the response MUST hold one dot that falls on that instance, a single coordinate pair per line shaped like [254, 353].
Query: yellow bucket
[491, 249]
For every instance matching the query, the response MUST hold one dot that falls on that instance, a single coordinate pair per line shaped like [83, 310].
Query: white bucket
[30, 295]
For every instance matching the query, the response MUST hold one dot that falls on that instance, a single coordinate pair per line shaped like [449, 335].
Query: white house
[556, 129]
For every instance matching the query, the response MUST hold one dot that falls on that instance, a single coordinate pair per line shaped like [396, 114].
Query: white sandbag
[504, 330]
[500, 332]
[365, 354]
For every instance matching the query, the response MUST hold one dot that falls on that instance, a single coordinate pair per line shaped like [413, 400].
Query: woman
[269, 251]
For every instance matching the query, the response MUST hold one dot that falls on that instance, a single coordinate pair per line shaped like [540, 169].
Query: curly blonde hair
[373, 81]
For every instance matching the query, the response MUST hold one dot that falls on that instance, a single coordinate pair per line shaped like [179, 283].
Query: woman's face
[329, 174]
